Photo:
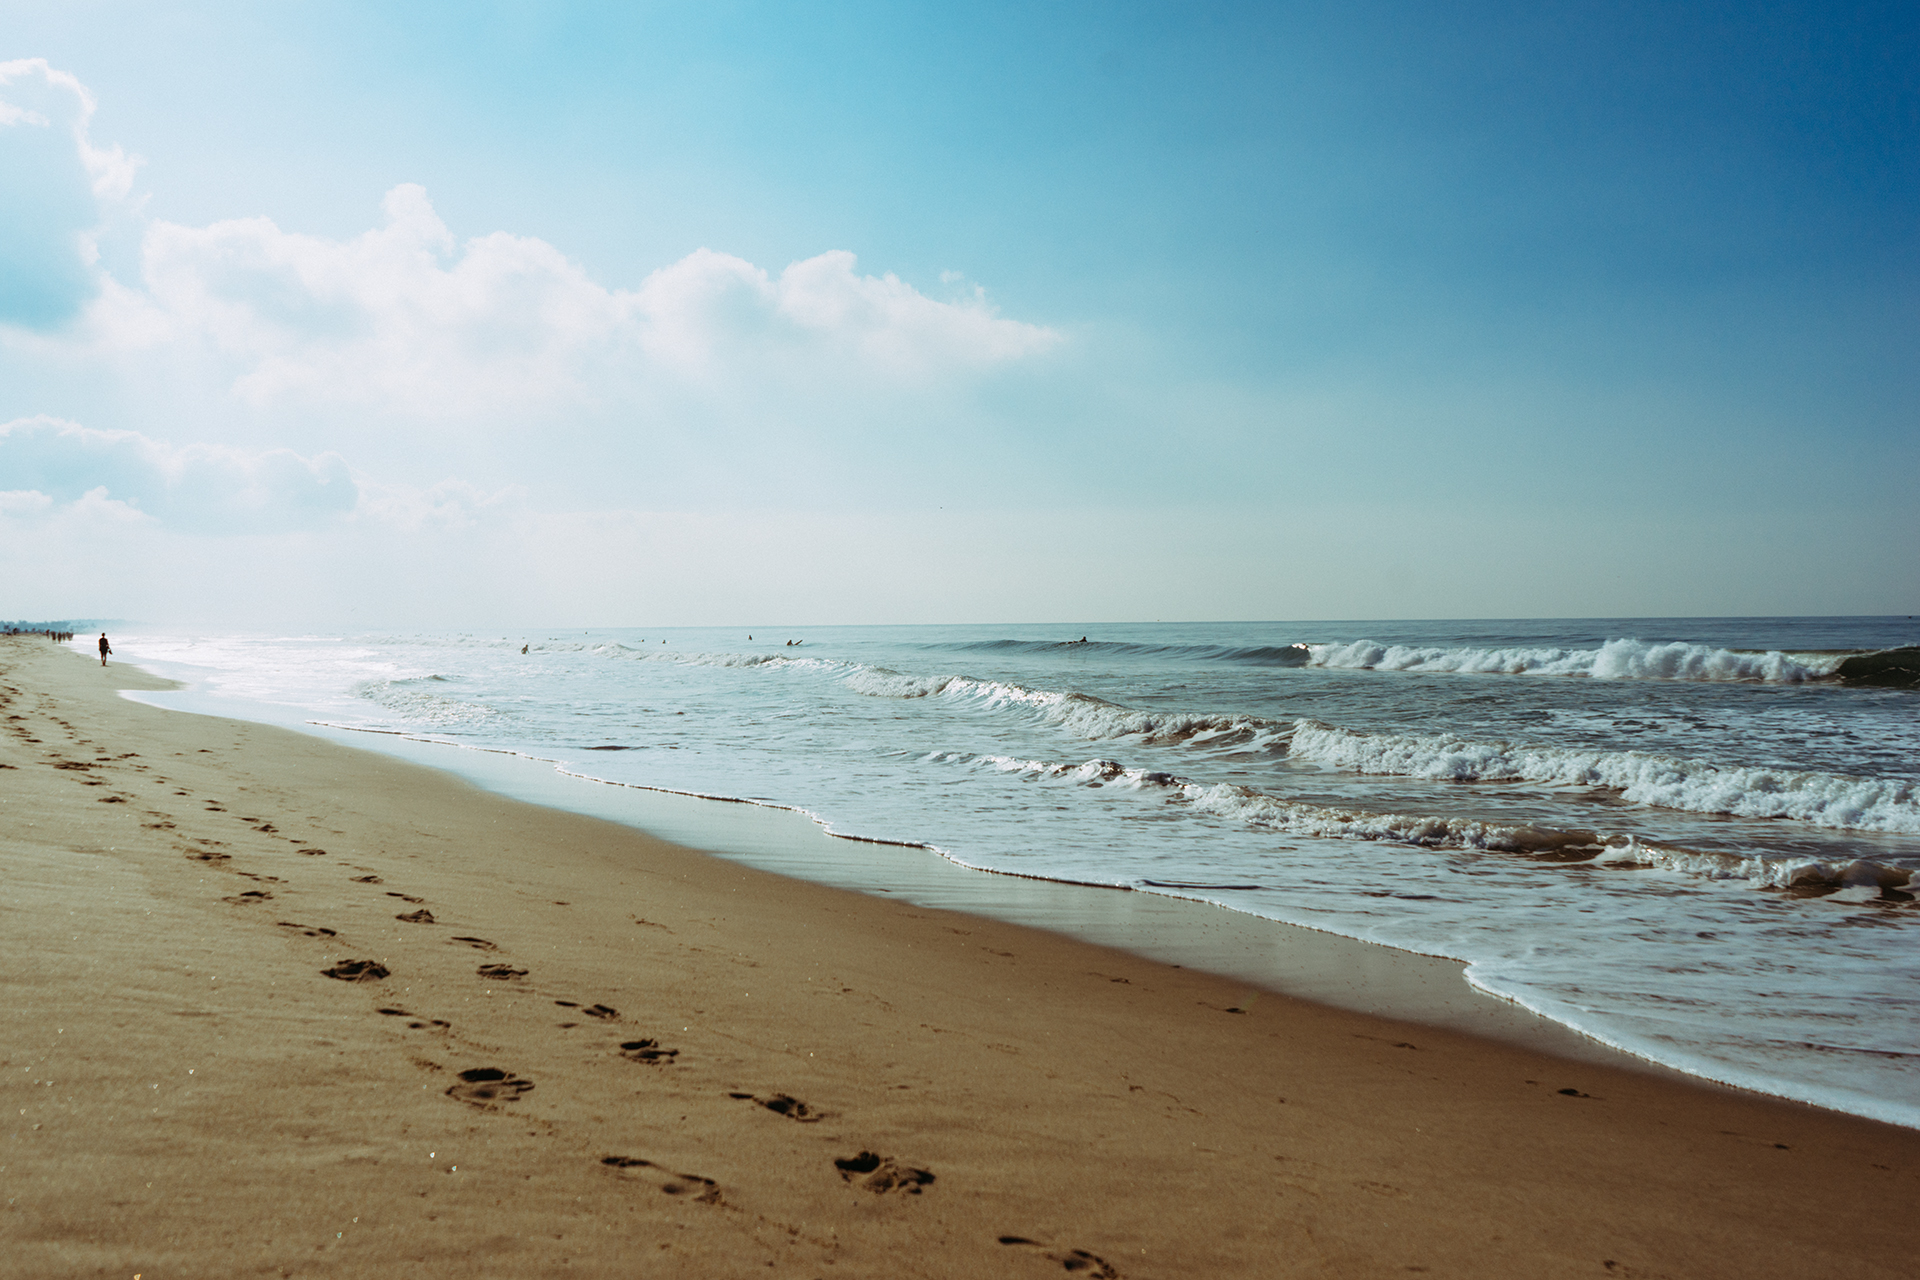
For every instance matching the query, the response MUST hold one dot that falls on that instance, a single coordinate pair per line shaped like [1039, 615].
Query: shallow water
[1691, 839]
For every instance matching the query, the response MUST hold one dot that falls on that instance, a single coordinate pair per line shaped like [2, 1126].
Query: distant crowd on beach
[57, 637]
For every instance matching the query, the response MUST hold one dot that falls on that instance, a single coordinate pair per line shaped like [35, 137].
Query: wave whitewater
[1080, 714]
[417, 699]
[1666, 782]
[1540, 843]
[1624, 659]
[1619, 659]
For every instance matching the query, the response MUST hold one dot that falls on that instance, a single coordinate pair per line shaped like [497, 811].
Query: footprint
[648, 1051]
[250, 896]
[316, 852]
[592, 1010]
[206, 855]
[488, 1086]
[881, 1174]
[500, 972]
[357, 971]
[783, 1105]
[1075, 1260]
[312, 931]
[404, 897]
[422, 916]
[479, 944]
[701, 1190]
[368, 880]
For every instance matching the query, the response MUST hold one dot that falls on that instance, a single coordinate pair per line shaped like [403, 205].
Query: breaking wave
[1822, 799]
[417, 700]
[1080, 714]
[1619, 659]
[1667, 782]
[1541, 843]
[1615, 660]
[1269, 655]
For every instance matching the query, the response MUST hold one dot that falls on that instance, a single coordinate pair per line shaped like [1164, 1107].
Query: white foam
[1572, 847]
[1822, 799]
[1624, 659]
[882, 682]
[1082, 715]
[1257, 808]
[421, 704]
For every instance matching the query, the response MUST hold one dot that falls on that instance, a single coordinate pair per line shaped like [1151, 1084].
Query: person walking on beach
[105, 648]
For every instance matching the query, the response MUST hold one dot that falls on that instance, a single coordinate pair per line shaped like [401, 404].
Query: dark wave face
[1887, 669]
[1287, 655]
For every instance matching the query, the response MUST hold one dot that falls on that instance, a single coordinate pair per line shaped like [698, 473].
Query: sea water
[1697, 840]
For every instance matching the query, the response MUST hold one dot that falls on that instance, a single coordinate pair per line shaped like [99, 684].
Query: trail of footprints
[492, 1088]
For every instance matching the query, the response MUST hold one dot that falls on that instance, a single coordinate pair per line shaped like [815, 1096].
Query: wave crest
[1541, 843]
[1624, 659]
[413, 699]
[1822, 799]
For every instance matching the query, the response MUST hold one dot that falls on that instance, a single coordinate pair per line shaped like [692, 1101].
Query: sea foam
[1623, 659]
[1823, 799]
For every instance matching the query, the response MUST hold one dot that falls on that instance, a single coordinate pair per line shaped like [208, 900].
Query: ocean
[1695, 840]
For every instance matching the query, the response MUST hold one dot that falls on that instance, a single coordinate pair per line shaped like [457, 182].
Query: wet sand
[279, 1007]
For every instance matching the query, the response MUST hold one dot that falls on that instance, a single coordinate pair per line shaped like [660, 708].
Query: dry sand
[595, 1053]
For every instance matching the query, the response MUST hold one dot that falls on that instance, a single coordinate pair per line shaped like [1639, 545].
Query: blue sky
[449, 314]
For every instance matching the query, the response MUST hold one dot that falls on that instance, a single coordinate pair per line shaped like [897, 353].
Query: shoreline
[1278, 956]
[699, 1042]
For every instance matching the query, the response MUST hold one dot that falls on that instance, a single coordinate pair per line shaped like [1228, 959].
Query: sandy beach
[277, 1007]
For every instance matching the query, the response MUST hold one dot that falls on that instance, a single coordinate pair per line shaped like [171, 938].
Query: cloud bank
[401, 411]
[406, 321]
[57, 186]
[47, 463]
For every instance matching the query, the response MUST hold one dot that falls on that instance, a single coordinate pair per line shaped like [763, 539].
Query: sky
[336, 314]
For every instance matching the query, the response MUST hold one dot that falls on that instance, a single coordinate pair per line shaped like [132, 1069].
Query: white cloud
[496, 358]
[24, 502]
[402, 319]
[193, 487]
[57, 189]
[110, 168]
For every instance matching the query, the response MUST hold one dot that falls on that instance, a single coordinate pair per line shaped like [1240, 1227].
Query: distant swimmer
[105, 648]
[523, 648]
